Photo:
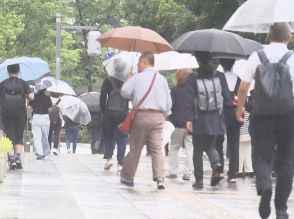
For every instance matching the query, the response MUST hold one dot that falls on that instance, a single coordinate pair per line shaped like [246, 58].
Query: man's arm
[242, 96]
[169, 99]
[127, 90]
[189, 99]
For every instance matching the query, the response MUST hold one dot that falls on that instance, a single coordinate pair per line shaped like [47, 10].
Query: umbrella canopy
[30, 68]
[121, 64]
[257, 15]
[92, 100]
[134, 39]
[75, 109]
[58, 86]
[219, 43]
[173, 60]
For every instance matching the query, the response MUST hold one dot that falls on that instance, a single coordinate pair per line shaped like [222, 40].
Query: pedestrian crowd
[205, 107]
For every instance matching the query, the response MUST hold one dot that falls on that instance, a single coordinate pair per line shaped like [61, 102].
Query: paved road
[76, 186]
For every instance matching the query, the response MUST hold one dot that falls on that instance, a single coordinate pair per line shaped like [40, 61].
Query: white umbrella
[173, 60]
[59, 86]
[257, 15]
[75, 109]
[121, 64]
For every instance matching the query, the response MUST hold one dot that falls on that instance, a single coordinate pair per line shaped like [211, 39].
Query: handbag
[125, 126]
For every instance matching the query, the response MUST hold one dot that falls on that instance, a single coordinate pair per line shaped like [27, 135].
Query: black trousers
[113, 135]
[219, 146]
[266, 133]
[94, 138]
[204, 143]
[55, 129]
[233, 143]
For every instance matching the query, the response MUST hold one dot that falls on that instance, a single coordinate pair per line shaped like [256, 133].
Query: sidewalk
[76, 186]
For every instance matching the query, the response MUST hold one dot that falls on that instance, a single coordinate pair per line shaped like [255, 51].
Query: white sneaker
[108, 164]
[55, 151]
[68, 151]
[119, 168]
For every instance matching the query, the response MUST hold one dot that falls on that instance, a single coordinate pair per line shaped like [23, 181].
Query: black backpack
[116, 104]
[13, 97]
[273, 93]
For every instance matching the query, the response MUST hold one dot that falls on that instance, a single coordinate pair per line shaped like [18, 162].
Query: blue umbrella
[30, 68]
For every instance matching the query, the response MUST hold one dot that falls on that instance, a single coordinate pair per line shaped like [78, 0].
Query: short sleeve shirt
[274, 52]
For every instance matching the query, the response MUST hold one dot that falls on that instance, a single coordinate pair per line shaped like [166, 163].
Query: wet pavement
[76, 186]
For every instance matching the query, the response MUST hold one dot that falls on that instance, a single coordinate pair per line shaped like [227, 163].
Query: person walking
[13, 93]
[71, 133]
[94, 131]
[114, 109]
[41, 121]
[272, 117]
[232, 125]
[180, 137]
[148, 123]
[55, 126]
[207, 95]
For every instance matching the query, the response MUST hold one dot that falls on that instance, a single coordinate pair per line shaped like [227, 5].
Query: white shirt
[274, 52]
[159, 97]
[231, 79]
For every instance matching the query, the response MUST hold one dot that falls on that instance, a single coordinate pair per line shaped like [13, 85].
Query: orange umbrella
[135, 39]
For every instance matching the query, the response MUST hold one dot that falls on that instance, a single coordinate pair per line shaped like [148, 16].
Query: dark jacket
[207, 122]
[179, 116]
[105, 91]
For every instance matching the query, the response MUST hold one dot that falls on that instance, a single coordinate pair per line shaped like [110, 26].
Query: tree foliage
[27, 27]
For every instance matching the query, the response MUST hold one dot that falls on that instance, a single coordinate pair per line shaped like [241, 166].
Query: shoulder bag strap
[262, 56]
[237, 86]
[206, 91]
[147, 93]
[285, 57]
[58, 101]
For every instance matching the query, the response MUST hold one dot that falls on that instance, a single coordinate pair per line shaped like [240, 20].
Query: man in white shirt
[148, 123]
[270, 131]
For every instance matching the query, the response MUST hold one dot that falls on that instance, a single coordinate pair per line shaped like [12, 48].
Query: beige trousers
[146, 130]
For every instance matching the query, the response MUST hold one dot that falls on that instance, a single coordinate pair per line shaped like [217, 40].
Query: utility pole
[58, 45]
[59, 28]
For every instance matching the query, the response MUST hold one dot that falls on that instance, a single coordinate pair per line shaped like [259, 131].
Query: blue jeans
[113, 136]
[72, 137]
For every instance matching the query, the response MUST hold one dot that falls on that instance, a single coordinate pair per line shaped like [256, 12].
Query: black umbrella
[91, 99]
[221, 44]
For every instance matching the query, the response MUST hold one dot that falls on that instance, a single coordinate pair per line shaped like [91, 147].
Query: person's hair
[13, 69]
[279, 32]
[203, 59]
[182, 75]
[227, 64]
[149, 57]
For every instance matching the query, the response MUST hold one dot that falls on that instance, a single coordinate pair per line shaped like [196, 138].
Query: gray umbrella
[92, 100]
[219, 43]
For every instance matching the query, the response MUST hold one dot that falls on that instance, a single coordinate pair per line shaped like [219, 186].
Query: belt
[150, 111]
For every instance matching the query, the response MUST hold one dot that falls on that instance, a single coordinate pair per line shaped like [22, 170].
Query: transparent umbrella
[75, 109]
[58, 86]
[256, 16]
